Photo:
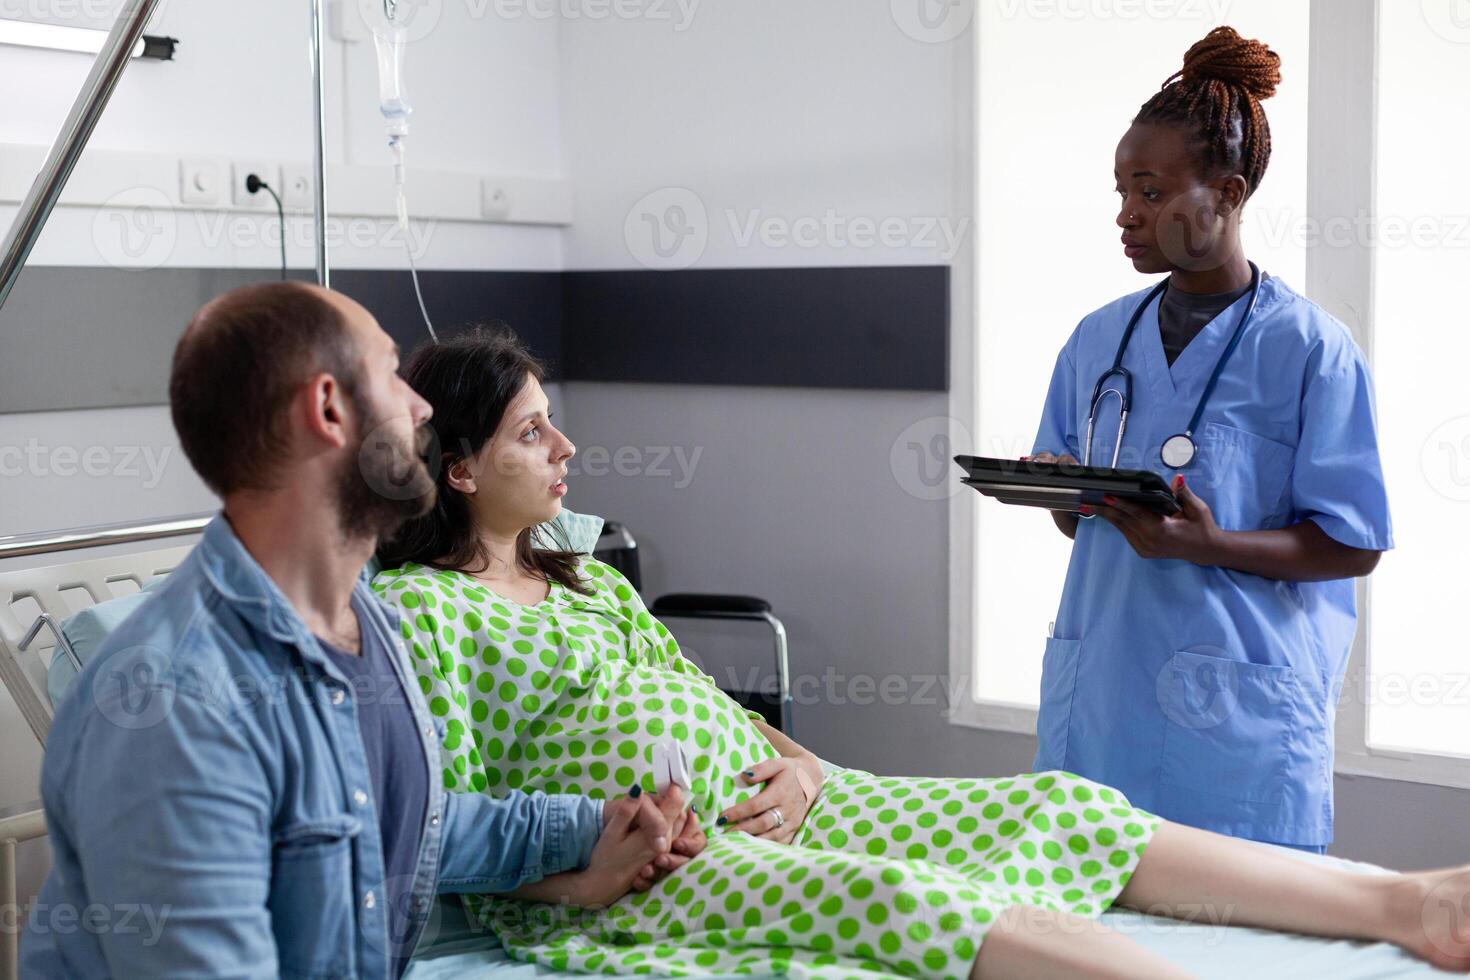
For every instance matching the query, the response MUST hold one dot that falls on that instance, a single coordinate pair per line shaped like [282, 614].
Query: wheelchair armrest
[700, 605]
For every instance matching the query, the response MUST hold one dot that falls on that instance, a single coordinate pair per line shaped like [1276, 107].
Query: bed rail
[20, 824]
[96, 535]
[17, 825]
[45, 585]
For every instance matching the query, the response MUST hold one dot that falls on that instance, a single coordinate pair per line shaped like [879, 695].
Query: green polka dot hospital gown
[886, 875]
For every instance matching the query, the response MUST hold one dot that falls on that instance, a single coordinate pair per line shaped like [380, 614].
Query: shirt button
[338, 695]
[370, 901]
[434, 819]
[360, 798]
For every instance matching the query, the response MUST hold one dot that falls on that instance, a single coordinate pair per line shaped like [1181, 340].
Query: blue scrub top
[1204, 694]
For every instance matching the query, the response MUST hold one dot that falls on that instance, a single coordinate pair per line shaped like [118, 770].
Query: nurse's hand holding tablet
[1191, 534]
[1197, 657]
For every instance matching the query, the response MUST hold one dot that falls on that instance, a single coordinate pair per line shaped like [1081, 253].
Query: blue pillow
[579, 532]
[85, 631]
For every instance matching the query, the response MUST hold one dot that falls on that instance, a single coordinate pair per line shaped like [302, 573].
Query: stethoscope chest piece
[1178, 451]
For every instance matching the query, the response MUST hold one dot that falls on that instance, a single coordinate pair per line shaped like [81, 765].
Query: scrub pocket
[312, 911]
[1058, 684]
[1230, 726]
[1243, 478]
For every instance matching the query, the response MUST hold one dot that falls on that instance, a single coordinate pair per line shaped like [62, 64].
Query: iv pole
[319, 135]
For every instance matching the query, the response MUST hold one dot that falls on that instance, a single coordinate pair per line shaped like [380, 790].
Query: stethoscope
[1180, 449]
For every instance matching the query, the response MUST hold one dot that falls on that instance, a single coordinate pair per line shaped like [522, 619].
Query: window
[1055, 92]
[1417, 695]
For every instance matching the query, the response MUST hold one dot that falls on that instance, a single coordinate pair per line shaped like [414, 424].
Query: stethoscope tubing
[1125, 392]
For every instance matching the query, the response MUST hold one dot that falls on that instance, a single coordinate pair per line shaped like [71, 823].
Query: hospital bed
[105, 570]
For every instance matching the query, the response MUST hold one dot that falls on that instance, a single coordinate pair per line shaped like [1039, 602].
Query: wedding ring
[780, 820]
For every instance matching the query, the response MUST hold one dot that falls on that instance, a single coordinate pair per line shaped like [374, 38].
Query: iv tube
[389, 40]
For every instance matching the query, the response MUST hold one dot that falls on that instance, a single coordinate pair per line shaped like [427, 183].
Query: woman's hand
[783, 791]
[688, 841]
[1066, 459]
[1191, 534]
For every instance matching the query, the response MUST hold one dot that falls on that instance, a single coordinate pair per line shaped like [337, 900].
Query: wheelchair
[617, 547]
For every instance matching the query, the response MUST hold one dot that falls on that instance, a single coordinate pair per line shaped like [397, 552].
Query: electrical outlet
[201, 181]
[494, 201]
[259, 201]
[298, 183]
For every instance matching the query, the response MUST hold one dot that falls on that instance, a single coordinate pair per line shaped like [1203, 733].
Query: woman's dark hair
[470, 380]
[1217, 97]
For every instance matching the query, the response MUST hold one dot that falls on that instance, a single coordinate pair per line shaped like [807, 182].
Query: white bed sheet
[1208, 951]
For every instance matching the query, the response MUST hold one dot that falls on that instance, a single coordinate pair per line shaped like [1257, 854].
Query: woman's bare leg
[1028, 943]
[1185, 871]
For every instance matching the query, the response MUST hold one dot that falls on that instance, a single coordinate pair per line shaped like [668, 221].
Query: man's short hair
[235, 370]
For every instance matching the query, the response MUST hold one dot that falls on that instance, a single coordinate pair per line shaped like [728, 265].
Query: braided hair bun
[1217, 97]
[1226, 57]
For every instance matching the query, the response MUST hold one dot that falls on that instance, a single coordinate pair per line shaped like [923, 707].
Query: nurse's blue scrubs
[1204, 694]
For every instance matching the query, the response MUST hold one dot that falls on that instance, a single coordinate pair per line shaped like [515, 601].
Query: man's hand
[1191, 534]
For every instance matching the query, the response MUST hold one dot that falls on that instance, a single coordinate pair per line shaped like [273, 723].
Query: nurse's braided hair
[1217, 97]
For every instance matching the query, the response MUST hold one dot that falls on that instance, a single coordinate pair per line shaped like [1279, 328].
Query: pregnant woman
[552, 676]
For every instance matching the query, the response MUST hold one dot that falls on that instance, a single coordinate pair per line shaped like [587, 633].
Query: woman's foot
[1429, 915]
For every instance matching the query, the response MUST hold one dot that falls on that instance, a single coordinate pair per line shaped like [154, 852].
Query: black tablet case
[1064, 486]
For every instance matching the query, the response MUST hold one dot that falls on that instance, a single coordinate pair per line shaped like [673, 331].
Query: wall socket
[494, 201]
[259, 201]
[202, 181]
[298, 187]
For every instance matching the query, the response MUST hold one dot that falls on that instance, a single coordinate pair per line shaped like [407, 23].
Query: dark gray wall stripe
[98, 337]
[85, 337]
[529, 302]
[885, 327]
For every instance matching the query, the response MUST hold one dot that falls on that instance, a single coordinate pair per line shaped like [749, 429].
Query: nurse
[1197, 659]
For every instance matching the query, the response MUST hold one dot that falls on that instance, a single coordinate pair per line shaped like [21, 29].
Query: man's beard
[385, 482]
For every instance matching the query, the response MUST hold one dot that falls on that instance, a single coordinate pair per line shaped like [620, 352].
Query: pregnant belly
[598, 739]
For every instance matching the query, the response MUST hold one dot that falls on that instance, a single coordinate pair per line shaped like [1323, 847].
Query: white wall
[758, 107]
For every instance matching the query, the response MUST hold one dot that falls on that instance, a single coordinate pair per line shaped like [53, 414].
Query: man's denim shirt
[206, 792]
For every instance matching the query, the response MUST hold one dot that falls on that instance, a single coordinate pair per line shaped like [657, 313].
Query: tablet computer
[1064, 486]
